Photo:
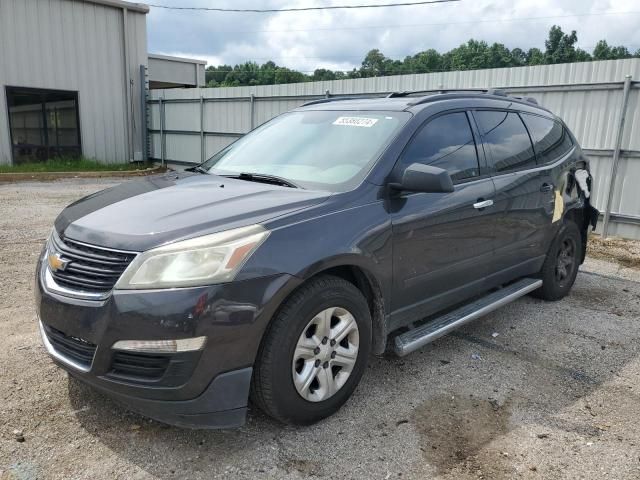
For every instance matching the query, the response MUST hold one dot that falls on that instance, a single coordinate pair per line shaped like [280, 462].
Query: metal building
[171, 72]
[70, 74]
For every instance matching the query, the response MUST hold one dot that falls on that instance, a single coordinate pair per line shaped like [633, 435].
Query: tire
[279, 379]
[560, 268]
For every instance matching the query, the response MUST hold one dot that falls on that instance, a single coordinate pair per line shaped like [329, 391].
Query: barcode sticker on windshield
[356, 121]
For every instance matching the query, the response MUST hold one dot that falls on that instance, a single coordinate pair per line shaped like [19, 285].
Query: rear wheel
[561, 265]
[314, 353]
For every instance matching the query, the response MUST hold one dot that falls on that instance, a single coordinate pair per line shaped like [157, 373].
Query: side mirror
[424, 178]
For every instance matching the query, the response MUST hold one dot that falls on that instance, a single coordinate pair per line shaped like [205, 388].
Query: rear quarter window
[551, 140]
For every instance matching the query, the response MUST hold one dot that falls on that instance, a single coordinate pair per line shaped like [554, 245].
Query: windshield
[325, 150]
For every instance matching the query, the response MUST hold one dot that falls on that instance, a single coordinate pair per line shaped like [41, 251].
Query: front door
[442, 242]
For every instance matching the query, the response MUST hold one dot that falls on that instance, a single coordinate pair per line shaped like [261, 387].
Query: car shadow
[436, 409]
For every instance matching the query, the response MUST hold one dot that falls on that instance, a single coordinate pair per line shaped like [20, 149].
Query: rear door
[442, 243]
[524, 194]
[553, 146]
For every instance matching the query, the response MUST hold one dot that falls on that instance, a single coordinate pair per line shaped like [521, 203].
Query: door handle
[482, 204]
[546, 187]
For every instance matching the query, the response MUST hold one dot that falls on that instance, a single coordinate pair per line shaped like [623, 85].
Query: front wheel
[314, 352]
[560, 268]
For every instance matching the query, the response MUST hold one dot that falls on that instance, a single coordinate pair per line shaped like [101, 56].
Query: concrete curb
[46, 176]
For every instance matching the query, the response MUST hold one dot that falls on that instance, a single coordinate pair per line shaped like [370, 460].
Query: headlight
[206, 260]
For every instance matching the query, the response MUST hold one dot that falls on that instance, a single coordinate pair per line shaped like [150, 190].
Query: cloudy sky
[339, 39]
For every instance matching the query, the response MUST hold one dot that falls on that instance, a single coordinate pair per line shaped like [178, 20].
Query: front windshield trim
[351, 149]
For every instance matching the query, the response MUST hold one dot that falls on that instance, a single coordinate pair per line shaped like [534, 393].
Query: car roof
[416, 101]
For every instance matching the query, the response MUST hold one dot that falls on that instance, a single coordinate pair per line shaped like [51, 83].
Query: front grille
[138, 366]
[92, 269]
[71, 347]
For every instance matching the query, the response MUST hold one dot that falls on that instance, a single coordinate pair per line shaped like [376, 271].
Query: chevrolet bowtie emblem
[56, 262]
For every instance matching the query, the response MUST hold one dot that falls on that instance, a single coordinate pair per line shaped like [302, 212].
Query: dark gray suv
[340, 229]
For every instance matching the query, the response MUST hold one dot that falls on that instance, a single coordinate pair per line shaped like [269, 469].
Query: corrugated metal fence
[191, 125]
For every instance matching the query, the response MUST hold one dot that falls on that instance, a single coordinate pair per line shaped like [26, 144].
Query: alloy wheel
[566, 260]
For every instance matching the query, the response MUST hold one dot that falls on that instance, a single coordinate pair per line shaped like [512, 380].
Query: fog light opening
[161, 346]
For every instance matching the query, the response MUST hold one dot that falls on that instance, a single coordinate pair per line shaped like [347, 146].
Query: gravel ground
[534, 390]
[624, 252]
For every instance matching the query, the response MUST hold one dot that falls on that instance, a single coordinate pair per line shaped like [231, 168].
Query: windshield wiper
[198, 169]
[264, 178]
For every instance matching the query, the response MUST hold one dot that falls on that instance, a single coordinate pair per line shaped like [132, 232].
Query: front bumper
[202, 389]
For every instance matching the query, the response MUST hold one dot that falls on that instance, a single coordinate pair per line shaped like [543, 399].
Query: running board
[420, 336]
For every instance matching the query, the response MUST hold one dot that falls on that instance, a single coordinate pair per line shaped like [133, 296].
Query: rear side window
[508, 140]
[446, 142]
[550, 139]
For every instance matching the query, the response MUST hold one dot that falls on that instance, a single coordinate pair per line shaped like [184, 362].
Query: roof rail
[488, 91]
[428, 97]
[525, 99]
[331, 99]
[399, 94]
[496, 91]
[407, 93]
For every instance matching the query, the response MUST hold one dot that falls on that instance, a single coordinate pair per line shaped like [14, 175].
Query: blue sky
[339, 39]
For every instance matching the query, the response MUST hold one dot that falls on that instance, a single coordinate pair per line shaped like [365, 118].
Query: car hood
[143, 214]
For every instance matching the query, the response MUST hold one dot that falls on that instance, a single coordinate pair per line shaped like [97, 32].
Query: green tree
[560, 47]
[267, 73]
[354, 73]
[286, 75]
[243, 74]
[424, 62]
[582, 56]
[603, 51]
[620, 52]
[374, 64]
[396, 67]
[500, 56]
[323, 74]
[534, 56]
[518, 57]
[215, 76]
[468, 56]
